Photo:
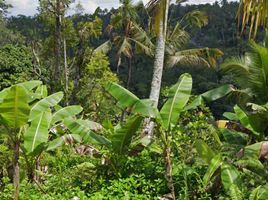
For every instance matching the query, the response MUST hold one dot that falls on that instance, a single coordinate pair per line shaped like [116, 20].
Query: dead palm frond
[253, 13]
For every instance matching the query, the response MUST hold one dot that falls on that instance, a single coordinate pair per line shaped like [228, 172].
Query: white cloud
[29, 7]
[24, 7]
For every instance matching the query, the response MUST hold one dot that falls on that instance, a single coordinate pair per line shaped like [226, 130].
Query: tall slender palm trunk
[155, 93]
[57, 68]
[159, 58]
[158, 69]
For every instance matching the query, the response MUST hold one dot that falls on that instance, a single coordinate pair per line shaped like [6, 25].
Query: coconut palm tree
[126, 36]
[251, 73]
[253, 13]
[178, 39]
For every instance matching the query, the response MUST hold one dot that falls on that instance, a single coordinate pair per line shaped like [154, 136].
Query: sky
[28, 7]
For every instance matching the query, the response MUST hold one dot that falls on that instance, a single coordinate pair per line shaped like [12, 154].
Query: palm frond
[253, 13]
[204, 56]
[157, 10]
[103, 48]
[142, 40]
[196, 18]
[176, 39]
[124, 47]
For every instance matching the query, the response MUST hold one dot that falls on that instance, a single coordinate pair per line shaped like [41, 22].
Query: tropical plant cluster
[158, 101]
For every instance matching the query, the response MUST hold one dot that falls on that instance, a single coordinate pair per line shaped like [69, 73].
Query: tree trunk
[159, 58]
[56, 72]
[158, 69]
[129, 72]
[16, 168]
[168, 173]
[65, 66]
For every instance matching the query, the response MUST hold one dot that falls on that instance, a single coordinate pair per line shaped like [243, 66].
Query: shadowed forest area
[162, 100]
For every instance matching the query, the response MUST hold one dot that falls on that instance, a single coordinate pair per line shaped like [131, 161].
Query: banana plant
[239, 134]
[27, 114]
[166, 118]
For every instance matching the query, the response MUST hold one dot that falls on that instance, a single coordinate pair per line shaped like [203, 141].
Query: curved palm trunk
[158, 70]
[155, 93]
[158, 67]
[159, 58]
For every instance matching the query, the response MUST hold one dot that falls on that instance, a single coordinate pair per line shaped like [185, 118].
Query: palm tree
[253, 13]
[159, 12]
[178, 39]
[127, 36]
[251, 73]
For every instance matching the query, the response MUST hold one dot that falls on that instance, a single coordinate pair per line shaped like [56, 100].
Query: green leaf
[254, 195]
[253, 150]
[42, 91]
[94, 126]
[81, 128]
[209, 96]
[229, 176]
[230, 116]
[3, 94]
[66, 112]
[30, 85]
[234, 137]
[58, 142]
[37, 133]
[235, 193]
[215, 163]
[263, 194]
[206, 153]
[215, 94]
[179, 95]
[244, 119]
[44, 104]
[14, 109]
[124, 97]
[122, 137]
[146, 108]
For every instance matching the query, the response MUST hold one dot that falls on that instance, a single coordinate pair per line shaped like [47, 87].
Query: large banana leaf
[88, 136]
[244, 119]
[94, 126]
[44, 104]
[146, 108]
[65, 139]
[179, 95]
[39, 93]
[206, 153]
[209, 96]
[229, 176]
[122, 136]
[215, 163]
[14, 109]
[66, 112]
[42, 91]
[30, 85]
[124, 97]
[37, 133]
[3, 94]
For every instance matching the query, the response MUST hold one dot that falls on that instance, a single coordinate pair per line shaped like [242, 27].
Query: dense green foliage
[76, 121]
